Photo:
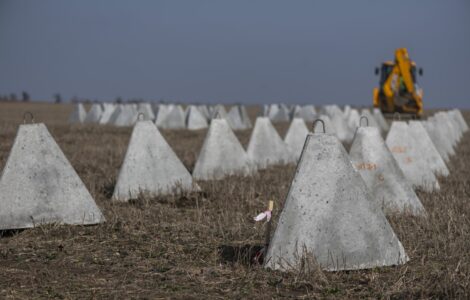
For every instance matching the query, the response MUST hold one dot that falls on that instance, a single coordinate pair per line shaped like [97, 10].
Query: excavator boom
[398, 90]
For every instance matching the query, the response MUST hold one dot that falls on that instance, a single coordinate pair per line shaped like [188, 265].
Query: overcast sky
[231, 51]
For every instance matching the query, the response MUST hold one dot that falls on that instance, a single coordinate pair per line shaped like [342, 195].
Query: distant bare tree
[118, 100]
[12, 97]
[25, 96]
[58, 98]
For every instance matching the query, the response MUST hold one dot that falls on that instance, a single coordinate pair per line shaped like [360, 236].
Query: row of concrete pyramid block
[335, 208]
[170, 116]
[336, 205]
[165, 116]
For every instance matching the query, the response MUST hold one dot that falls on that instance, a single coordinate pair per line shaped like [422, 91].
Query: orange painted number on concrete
[398, 149]
[366, 166]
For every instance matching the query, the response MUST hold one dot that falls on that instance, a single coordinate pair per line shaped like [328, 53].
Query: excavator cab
[398, 89]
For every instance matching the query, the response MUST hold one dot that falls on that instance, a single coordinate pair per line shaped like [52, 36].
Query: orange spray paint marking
[398, 149]
[366, 166]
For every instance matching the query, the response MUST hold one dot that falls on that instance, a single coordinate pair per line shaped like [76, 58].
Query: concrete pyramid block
[94, 114]
[343, 132]
[205, 111]
[108, 110]
[332, 109]
[146, 110]
[123, 116]
[278, 113]
[162, 113]
[234, 119]
[245, 118]
[445, 137]
[150, 166]
[115, 115]
[329, 214]
[307, 113]
[403, 147]
[426, 148]
[353, 119]
[455, 118]
[461, 120]
[452, 133]
[347, 111]
[266, 146]
[455, 127]
[437, 139]
[455, 124]
[381, 173]
[78, 115]
[39, 186]
[295, 137]
[218, 111]
[379, 117]
[221, 154]
[173, 118]
[195, 120]
[264, 112]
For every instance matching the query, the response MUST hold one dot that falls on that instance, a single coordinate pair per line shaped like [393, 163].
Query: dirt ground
[170, 247]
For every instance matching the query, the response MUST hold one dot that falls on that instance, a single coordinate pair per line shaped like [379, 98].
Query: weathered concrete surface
[437, 139]
[245, 118]
[329, 214]
[108, 109]
[146, 110]
[266, 146]
[353, 119]
[411, 162]
[94, 114]
[306, 112]
[343, 132]
[195, 120]
[218, 111]
[426, 149]
[457, 129]
[205, 111]
[162, 112]
[443, 138]
[278, 113]
[150, 166]
[78, 115]
[221, 154]
[346, 111]
[123, 115]
[461, 120]
[39, 186]
[172, 118]
[234, 118]
[381, 173]
[450, 132]
[379, 117]
[454, 115]
[295, 136]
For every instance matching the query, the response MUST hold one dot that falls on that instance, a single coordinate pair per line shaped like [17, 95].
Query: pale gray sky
[245, 51]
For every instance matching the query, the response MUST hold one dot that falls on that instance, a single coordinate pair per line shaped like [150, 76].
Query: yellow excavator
[399, 90]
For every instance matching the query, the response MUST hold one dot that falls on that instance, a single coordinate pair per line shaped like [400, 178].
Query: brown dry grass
[167, 247]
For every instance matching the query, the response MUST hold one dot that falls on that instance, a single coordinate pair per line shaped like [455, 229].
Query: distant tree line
[13, 97]
[57, 98]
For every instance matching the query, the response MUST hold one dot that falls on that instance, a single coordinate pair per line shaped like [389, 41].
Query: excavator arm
[399, 90]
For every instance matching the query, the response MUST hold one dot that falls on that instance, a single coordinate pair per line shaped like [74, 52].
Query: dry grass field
[169, 247]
